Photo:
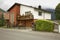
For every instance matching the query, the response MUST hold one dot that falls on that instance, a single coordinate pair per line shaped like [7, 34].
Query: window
[39, 13]
[28, 13]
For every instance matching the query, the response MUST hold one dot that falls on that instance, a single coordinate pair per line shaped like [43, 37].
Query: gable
[13, 6]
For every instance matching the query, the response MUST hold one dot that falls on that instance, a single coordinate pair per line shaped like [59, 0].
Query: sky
[6, 4]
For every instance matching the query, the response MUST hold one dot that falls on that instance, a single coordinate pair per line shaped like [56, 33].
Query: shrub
[44, 25]
[1, 23]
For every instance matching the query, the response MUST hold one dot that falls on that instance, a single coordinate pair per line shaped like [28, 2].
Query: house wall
[16, 10]
[24, 9]
[6, 16]
[47, 15]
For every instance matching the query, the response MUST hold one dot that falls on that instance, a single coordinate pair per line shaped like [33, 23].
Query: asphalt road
[6, 34]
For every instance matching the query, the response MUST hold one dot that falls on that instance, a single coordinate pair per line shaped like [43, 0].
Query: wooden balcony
[25, 17]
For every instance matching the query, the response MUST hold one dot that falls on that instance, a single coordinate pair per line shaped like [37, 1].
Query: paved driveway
[6, 34]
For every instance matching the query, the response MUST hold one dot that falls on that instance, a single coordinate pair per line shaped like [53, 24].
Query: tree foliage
[57, 12]
[2, 21]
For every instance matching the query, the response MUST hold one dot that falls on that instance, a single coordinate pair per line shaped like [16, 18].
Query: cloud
[6, 4]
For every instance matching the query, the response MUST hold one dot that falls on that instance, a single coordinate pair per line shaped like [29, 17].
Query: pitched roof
[12, 6]
[19, 5]
[37, 9]
[27, 6]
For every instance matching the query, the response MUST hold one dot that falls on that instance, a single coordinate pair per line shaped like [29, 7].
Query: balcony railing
[25, 17]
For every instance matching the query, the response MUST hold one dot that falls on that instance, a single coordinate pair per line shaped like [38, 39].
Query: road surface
[6, 34]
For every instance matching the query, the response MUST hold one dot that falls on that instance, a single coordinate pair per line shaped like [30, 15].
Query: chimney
[39, 7]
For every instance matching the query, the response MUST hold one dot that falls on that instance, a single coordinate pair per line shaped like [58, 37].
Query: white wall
[59, 28]
[24, 9]
[47, 15]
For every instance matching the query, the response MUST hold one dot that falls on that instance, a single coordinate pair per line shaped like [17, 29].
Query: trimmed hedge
[44, 25]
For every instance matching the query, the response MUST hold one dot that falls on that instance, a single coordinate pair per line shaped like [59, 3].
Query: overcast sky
[6, 4]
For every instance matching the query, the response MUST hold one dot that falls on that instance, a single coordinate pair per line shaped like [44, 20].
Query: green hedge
[44, 25]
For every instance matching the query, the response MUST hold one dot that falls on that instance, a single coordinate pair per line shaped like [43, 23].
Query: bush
[1, 23]
[44, 25]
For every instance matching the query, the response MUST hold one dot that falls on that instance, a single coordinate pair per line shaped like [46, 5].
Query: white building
[38, 14]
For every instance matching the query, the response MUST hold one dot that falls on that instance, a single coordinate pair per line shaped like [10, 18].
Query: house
[25, 15]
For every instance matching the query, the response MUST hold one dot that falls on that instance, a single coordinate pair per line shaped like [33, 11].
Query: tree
[2, 17]
[57, 12]
[2, 20]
